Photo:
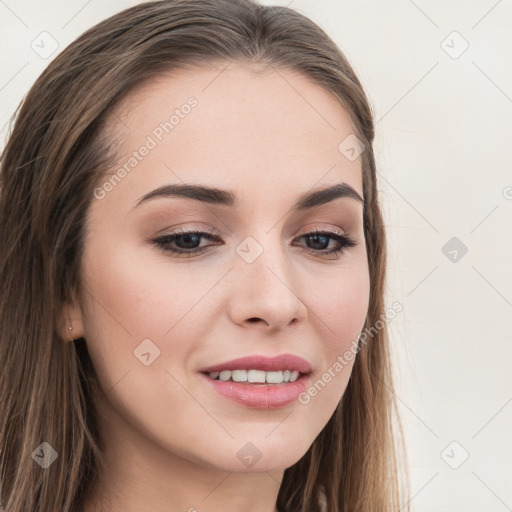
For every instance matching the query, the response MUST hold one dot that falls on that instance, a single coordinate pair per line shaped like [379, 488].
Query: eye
[322, 237]
[187, 242]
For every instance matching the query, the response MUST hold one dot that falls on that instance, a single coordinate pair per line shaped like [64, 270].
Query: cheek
[133, 316]
[340, 309]
[129, 294]
[133, 299]
[342, 306]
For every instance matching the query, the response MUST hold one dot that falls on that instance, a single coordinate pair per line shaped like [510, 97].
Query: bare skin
[269, 137]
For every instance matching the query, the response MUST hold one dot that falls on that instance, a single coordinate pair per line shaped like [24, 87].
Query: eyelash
[163, 242]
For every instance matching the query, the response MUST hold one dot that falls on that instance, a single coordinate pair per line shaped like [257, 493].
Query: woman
[193, 265]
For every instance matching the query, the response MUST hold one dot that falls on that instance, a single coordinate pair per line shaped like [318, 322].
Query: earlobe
[71, 325]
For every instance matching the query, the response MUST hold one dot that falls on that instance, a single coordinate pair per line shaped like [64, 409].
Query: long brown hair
[55, 156]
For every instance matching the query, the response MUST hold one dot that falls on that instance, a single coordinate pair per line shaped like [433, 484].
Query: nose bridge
[260, 251]
[265, 286]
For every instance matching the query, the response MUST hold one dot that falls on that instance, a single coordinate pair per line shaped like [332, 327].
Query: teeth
[225, 375]
[274, 377]
[256, 376]
[239, 375]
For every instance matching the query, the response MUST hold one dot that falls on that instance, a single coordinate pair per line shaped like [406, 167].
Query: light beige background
[444, 155]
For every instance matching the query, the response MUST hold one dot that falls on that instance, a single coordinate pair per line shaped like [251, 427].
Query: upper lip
[260, 362]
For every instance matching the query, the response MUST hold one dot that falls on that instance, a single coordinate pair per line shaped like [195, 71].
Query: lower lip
[260, 396]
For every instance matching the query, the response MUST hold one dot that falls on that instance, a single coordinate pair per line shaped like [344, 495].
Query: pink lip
[261, 396]
[267, 364]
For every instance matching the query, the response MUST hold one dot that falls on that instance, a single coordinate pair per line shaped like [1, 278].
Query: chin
[261, 454]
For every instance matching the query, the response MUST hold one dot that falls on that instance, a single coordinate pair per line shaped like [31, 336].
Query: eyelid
[330, 228]
[189, 229]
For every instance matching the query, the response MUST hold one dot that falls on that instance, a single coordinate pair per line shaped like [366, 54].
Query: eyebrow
[221, 197]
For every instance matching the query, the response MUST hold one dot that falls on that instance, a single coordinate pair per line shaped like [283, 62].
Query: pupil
[315, 239]
[190, 239]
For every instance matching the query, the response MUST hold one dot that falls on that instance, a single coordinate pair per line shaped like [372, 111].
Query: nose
[264, 290]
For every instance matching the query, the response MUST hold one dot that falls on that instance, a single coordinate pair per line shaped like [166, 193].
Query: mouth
[260, 382]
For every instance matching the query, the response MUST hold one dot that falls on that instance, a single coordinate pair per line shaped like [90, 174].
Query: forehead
[238, 87]
[256, 128]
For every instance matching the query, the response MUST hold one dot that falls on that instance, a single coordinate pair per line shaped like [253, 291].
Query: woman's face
[257, 286]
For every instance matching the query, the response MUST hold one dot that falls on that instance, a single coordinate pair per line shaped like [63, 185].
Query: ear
[70, 316]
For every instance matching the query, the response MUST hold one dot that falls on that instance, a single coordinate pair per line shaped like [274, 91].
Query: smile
[255, 376]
